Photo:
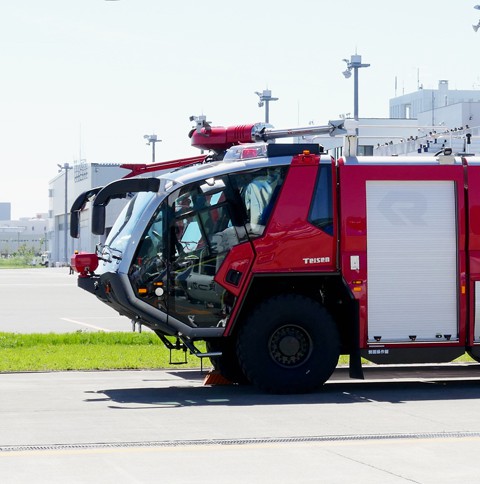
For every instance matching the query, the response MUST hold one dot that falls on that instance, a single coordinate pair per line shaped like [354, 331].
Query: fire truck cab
[281, 258]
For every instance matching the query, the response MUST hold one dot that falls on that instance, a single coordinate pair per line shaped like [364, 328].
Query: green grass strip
[96, 351]
[18, 340]
[87, 351]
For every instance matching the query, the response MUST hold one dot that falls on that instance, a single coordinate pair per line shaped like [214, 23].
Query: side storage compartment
[412, 261]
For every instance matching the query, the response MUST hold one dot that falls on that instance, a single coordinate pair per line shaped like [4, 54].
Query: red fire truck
[282, 258]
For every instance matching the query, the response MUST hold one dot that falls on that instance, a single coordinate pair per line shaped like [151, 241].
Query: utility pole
[151, 140]
[65, 167]
[354, 64]
[265, 99]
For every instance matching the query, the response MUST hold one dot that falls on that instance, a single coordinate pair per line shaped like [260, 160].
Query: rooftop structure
[428, 105]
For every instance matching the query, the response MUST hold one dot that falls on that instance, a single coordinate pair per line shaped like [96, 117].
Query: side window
[151, 245]
[321, 210]
[203, 220]
[188, 235]
[258, 192]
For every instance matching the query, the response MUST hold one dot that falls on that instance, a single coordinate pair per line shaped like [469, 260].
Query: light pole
[477, 25]
[65, 167]
[265, 99]
[151, 140]
[354, 64]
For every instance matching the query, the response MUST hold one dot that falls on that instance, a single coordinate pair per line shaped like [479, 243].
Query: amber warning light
[84, 263]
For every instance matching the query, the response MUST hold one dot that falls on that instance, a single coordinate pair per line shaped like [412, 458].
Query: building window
[365, 150]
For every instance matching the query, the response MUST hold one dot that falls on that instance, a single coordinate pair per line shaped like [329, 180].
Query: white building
[445, 118]
[73, 180]
[421, 122]
[428, 106]
[5, 210]
[76, 179]
[29, 232]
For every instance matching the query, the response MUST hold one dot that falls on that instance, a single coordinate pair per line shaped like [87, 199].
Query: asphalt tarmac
[167, 427]
[44, 300]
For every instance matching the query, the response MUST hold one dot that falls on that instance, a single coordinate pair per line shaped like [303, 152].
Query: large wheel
[288, 344]
[227, 364]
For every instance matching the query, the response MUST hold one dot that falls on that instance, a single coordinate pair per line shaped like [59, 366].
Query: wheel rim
[290, 346]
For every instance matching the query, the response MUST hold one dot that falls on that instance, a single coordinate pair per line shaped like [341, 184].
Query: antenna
[80, 142]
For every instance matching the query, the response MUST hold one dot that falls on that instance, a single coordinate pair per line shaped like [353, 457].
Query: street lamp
[477, 26]
[354, 64]
[151, 140]
[65, 167]
[265, 98]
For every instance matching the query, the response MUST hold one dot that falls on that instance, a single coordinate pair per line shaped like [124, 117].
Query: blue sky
[90, 77]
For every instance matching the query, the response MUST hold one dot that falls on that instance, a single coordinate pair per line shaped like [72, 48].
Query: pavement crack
[371, 466]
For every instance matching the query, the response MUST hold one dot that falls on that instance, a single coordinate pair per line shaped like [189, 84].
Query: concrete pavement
[165, 426]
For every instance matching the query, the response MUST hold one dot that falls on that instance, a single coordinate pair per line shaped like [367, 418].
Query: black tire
[227, 364]
[288, 344]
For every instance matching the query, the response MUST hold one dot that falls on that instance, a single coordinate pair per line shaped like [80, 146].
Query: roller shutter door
[412, 260]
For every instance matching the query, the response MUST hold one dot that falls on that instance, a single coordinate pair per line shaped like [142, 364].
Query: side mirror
[77, 206]
[118, 189]
[98, 219]
[75, 224]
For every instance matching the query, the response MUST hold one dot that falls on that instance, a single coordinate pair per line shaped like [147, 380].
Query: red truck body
[365, 256]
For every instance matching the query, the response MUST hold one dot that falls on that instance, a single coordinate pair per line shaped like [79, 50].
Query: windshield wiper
[116, 257]
[104, 252]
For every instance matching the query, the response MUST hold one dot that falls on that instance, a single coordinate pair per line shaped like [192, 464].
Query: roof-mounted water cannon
[333, 128]
[219, 139]
[201, 123]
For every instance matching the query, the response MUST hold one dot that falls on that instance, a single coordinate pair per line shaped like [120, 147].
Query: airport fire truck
[282, 258]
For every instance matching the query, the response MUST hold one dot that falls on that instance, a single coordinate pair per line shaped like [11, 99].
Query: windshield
[123, 227]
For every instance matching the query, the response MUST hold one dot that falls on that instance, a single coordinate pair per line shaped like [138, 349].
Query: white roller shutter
[412, 260]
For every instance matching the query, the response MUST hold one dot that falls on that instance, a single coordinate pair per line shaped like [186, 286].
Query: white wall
[82, 177]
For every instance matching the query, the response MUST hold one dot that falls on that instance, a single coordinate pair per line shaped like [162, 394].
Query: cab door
[202, 230]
